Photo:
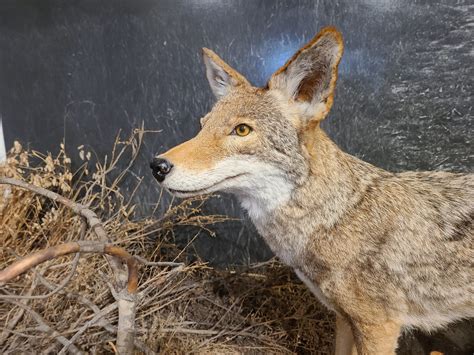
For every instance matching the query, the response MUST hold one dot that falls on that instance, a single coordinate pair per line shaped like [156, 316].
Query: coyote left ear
[309, 77]
[221, 76]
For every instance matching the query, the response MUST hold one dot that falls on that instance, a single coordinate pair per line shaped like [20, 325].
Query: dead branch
[50, 253]
[62, 285]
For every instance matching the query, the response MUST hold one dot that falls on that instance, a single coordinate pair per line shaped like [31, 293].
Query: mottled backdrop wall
[83, 70]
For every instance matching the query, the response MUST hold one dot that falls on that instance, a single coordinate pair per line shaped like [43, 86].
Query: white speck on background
[3, 153]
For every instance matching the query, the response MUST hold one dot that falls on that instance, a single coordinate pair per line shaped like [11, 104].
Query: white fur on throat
[314, 289]
[261, 187]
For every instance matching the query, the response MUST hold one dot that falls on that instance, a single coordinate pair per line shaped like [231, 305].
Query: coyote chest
[288, 251]
[291, 244]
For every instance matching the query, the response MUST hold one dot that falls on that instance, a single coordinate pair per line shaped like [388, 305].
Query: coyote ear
[221, 76]
[309, 77]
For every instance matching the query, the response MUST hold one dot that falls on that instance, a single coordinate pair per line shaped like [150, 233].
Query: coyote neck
[336, 182]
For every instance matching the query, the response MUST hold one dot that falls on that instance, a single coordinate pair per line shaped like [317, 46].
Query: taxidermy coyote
[385, 251]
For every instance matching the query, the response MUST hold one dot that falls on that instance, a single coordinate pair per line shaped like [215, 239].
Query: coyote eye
[242, 130]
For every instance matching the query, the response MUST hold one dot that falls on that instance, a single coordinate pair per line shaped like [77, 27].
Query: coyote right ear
[309, 77]
[221, 76]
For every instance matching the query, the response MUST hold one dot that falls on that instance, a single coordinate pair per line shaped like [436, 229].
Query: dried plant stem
[126, 323]
[157, 263]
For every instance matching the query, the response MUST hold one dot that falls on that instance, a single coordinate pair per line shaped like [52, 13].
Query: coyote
[385, 251]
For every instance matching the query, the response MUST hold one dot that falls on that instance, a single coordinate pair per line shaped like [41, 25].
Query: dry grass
[183, 308]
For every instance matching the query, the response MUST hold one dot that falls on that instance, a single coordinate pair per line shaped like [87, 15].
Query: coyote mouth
[205, 189]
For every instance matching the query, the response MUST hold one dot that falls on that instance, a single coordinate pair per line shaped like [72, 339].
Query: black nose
[160, 167]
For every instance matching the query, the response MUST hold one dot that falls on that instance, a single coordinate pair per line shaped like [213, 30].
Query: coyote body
[377, 245]
[385, 251]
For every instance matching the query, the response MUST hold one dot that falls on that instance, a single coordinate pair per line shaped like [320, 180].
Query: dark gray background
[83, 70]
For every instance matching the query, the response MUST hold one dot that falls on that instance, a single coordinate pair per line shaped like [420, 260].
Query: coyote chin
[385, 251]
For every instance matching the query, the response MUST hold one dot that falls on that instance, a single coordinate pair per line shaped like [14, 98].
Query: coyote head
[253, 141]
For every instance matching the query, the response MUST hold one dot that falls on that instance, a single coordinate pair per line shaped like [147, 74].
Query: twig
[157, 263]
[46, 328]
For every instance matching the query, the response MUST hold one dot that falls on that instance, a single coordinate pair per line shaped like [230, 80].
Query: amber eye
[242, 130]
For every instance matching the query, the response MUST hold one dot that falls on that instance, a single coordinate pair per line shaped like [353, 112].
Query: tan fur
[196, 156]
[344, 343]
[385, 251]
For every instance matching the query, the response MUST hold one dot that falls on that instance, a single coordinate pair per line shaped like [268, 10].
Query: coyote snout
[385, 251]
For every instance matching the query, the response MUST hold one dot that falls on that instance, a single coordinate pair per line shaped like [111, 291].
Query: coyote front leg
[380, 339]
[344, 339]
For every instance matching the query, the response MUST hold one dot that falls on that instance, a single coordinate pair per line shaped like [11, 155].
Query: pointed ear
[309, 77]
[220, 75]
